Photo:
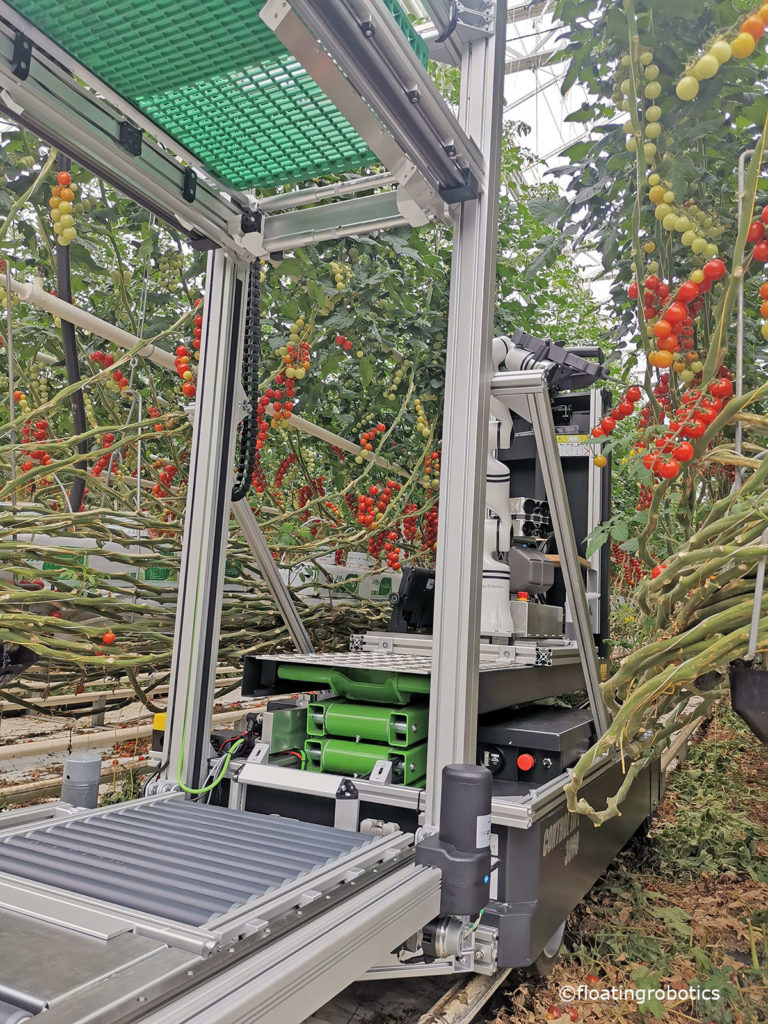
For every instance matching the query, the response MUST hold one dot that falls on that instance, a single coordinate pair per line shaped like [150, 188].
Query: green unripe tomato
[706, 67]
[653, 114]
[688, 238]
[653, 130]
[698, 245]
[662, 210]
[687, 88]
[650, 150]
[669, 222]
[646, 57]
[652, 72]
[652, 91]
[721, 51]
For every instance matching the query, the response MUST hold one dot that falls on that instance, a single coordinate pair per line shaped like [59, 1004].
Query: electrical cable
[211, 785]
[451, 26]
[249, 429]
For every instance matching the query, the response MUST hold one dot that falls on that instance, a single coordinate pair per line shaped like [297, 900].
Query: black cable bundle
[249, 430]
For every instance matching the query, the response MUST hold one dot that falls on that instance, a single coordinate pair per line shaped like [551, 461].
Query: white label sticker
[483, 835]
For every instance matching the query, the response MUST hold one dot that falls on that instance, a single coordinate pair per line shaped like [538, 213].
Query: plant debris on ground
[684, 908]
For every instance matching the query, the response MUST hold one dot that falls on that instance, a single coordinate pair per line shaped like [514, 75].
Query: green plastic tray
[213, 76]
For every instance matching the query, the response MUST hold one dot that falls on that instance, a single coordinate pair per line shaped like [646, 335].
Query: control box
[535, 744]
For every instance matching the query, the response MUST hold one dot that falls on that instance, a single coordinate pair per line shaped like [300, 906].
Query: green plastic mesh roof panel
[213, 76]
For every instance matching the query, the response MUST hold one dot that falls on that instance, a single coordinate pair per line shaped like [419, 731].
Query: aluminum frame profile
[364, 40]
[259, 548]
[531, 387]
[455, 654]
[85, 123]
[315, 224]
[294, 976]
[206, 523]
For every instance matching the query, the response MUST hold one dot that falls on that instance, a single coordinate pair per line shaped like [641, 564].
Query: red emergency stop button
[525, 762]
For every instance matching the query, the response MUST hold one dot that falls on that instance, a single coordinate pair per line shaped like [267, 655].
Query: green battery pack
[397, 727]
[357, 760]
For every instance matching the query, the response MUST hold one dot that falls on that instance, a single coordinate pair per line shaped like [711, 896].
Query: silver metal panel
[453, 709]
[43, 963]
[206, 522]
[332, 220]
[319, 784]
[189, 862]
[294, 976]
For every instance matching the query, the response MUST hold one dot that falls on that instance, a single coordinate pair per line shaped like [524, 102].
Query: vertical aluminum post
[456, 638]
[557, 496]
[206, 523]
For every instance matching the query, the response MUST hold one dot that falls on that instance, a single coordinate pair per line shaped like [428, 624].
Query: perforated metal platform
[213, 76]
[190, 863]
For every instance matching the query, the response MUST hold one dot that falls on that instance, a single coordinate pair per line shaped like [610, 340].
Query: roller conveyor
[139, 905]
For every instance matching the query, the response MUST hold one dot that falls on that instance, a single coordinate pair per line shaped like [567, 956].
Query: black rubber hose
[64, 292]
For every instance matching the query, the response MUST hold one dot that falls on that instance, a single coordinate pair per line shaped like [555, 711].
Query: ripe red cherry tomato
[695, 428]
[756, 231]
[632, 291]
[687, 292]
[676, 313]
[683, 452]
[108, 637]
[662, 328]
[657, 570]
[608, 423]
[64, 178]
[653, 282]
[598, 432]
[668, 468]
[634, 394]
[713, 270]
[707, 415]
[626, 408]
[721, 388]
[760, 251]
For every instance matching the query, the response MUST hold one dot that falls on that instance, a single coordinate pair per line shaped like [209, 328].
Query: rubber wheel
[545, 961]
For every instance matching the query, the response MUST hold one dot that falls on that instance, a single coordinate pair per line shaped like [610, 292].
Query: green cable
[219, 777]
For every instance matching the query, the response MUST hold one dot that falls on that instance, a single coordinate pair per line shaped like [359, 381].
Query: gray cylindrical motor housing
[462, 848]
[80, 785]
[10, 1014]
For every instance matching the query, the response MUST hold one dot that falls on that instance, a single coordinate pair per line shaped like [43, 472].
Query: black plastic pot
[749, 698]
